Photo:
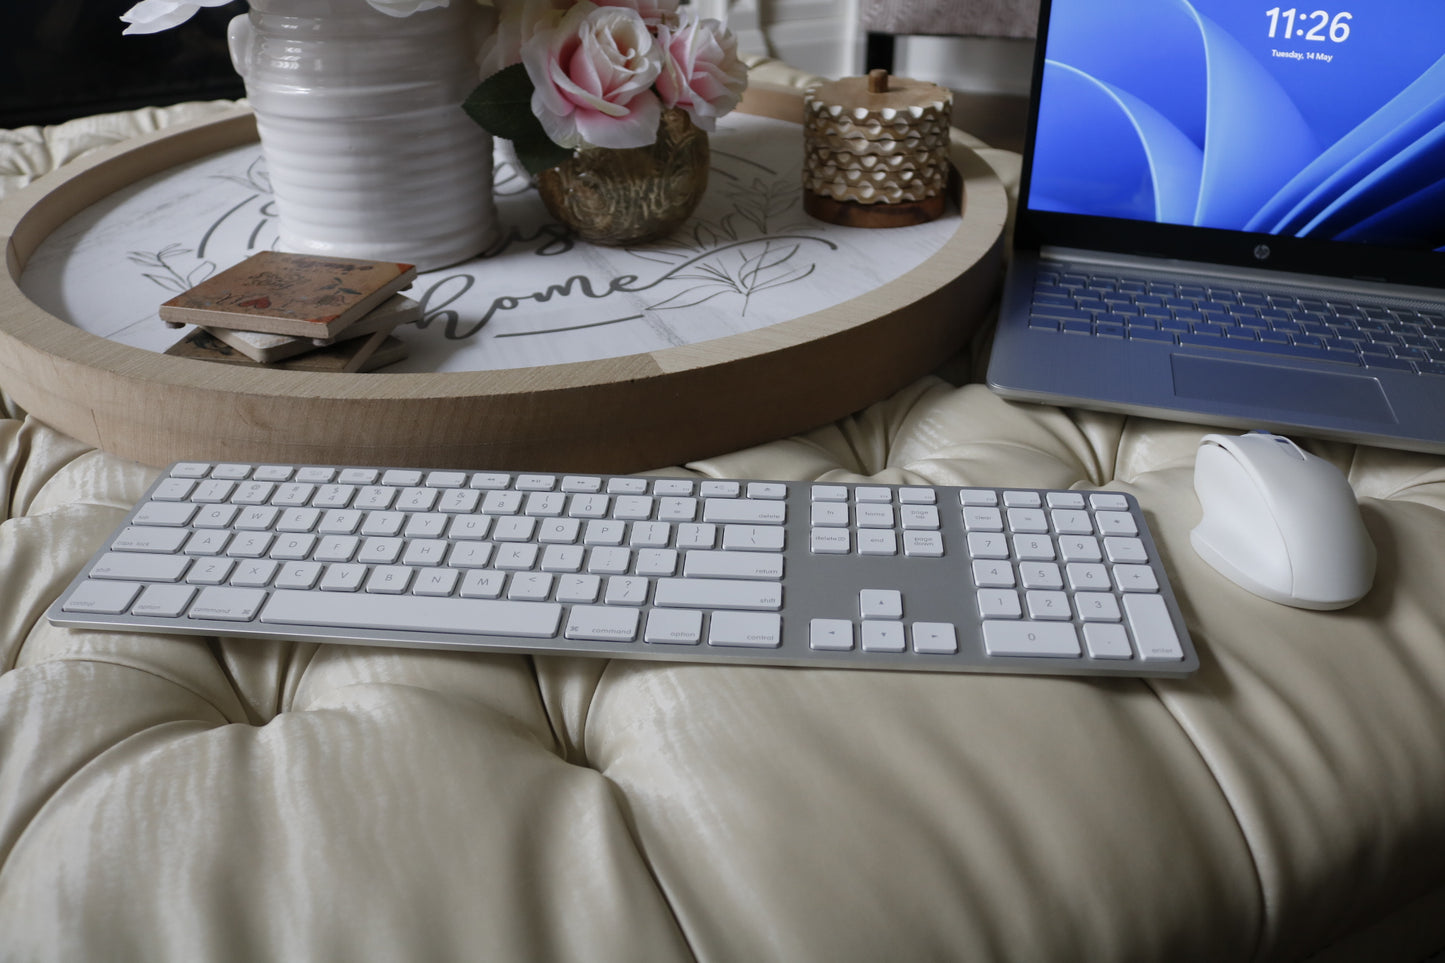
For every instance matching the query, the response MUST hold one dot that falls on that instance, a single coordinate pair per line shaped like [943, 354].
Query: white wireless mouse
[1280, 522]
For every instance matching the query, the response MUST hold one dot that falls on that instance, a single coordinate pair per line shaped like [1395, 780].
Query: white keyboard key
[562, 558]
[1097, 606]
[751, 538]
[923, 544]
[757, 630]
[514, 528]
[873, 541]
[164, 601]
[1123, 549]
[102, 598]
[516, 558]
[747, 511]
[578, 588]
[934, 638]
[342, 578]
[924, 517]
[977, 496]
[358, 476]
[650, 535]
[458, 501]
[917, 496]
[1019, 499]
[1087, 577]
[415, 614]
[173, 489]
[714, 593]
[1035, 548]
[609, 561]
[993, 573]
[761, 565]
[581, 483]
[622, 590]
[1030, 520]
[426, 525]
[1048, 605]
[149, 538]
[626, 486]
[227, 604]
[530, 586]
[632, 508]
[215, 516]
[337, 548]
[883, 637]
[830, 635]
[165, 513]
[190, 469]
[315, 475]
[401, 477]
[1030, 639]
[488, 480]
[302, 520]
[207, 542]
[829, 493]
[210, 571]
[830, 541]
[536, 483]
[703, 535]
[483, 584]
[873, 516]
[720, 488]
[379, 551]
[1107, 641]
[1040, 575]
[1135, 578]
[599, 623]
[603, 533]
[999, 603]
[559, 531]
[232, 471]
[446, 479]
[981, 519]
[1152, 628]
[656, 562]
[339, 521]
[1072, 522]
[673, 627]
[1115, 523]
[880, 604]
[254, 573]
[1066, 500]
[1108, 502]
[1080, 548]
[767, 490]
[428, 581]
[140, 567]
[673, 486]
[298, 575]
[987, 545]
[829, 514]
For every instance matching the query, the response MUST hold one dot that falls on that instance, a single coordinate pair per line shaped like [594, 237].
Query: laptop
[1234, 214]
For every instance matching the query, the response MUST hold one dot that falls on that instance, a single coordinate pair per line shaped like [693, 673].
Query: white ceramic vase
[369, 152]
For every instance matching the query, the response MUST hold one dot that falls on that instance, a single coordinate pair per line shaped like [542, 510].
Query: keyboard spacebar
[357, 610]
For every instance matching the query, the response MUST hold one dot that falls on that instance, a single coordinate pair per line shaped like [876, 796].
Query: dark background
[67, 58]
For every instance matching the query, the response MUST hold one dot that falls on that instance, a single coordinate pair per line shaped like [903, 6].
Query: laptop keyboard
[1279, 323]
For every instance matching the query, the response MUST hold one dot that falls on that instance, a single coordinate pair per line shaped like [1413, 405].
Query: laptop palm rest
[1281, 388]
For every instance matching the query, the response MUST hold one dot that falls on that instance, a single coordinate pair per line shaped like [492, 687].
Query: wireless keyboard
[685, 569]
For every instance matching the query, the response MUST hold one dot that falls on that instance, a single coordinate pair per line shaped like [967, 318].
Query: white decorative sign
[749, 257]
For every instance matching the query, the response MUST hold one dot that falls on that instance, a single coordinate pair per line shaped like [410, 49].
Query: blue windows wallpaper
[1248, 114]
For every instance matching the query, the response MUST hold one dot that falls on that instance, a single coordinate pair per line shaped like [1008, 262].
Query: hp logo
[1261, 252]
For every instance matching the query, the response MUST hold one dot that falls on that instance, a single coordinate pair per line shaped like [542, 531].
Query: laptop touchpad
[1288, 389]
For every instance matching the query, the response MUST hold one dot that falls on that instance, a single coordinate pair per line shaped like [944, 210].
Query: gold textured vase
[631, 195]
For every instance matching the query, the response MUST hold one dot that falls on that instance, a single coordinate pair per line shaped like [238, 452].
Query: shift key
[717, 593]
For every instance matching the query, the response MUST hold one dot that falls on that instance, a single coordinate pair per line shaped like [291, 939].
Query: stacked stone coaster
[876, 150]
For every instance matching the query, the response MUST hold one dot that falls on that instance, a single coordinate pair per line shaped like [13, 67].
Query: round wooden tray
[619, 414]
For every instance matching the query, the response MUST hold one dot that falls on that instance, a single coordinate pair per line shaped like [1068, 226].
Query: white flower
[153, 16]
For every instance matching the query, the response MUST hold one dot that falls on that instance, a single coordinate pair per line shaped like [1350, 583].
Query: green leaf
[502, 105]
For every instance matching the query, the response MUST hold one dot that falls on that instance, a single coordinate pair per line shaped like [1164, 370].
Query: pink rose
[592, 76]
[654, 12]
[701, 72]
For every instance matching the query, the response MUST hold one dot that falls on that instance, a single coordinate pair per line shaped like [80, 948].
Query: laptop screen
[1256, 117]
